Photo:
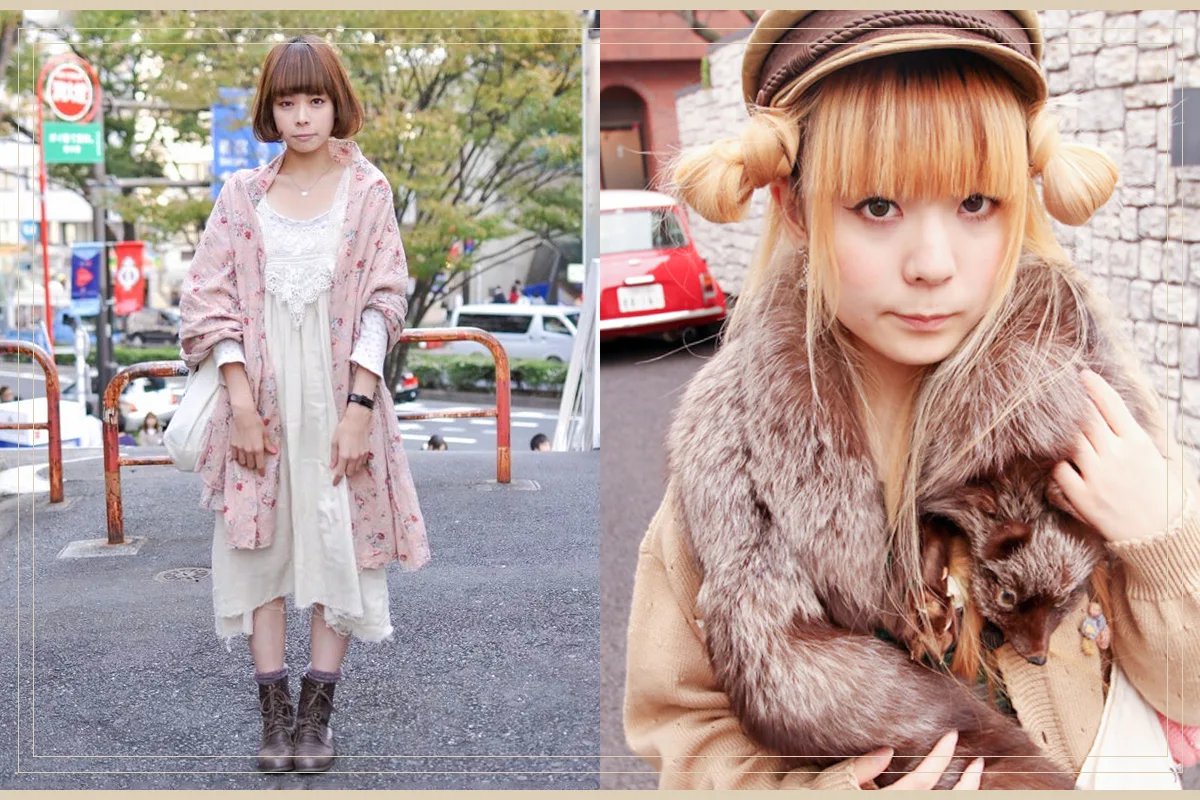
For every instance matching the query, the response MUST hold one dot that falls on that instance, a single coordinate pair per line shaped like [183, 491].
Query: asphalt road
[116, 679]
[639, 387]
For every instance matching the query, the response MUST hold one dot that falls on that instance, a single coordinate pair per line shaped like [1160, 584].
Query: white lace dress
[312, 556]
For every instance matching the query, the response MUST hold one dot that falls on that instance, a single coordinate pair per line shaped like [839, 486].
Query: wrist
[357, 413]
[242, 406]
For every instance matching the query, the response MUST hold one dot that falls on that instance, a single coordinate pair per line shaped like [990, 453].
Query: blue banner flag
[85, 270]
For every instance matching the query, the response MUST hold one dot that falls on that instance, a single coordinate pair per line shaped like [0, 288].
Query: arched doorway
[622, 142]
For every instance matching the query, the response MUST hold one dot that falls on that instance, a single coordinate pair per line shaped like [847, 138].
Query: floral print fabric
[223, 298]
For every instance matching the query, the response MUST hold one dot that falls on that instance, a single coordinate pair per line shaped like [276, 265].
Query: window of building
[1185, 127]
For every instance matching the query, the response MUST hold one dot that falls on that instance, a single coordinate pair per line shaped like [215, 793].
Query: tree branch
[702, 30]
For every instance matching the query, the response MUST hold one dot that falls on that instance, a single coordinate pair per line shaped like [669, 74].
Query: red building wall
[655, 54]
[656, 84]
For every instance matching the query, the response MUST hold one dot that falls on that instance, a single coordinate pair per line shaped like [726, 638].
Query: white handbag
[185, 432]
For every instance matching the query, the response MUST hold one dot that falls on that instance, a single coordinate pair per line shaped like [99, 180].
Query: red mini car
[652, 280]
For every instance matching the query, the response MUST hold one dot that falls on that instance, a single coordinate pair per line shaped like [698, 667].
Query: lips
[924, 322]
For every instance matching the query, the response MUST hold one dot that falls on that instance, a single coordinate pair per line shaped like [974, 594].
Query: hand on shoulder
[1116, 479]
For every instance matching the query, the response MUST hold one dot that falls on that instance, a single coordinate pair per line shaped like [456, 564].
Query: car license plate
[635, 299]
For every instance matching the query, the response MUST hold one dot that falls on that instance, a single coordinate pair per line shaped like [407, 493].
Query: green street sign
[74, 142]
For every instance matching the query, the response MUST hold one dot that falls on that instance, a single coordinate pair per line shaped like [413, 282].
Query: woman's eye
[977, 203]
[875, 207]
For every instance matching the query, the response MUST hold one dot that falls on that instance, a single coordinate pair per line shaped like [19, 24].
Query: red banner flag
[129, 284]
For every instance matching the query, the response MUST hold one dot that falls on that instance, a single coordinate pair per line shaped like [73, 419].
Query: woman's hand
[350, 442]
[926, 774]
[1117, 480]
[249, 446]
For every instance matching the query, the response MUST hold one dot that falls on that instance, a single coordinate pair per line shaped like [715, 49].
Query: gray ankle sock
[271, 677]
[323, 677]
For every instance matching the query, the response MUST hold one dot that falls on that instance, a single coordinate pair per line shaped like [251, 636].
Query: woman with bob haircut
[909, 324]
[298, 291]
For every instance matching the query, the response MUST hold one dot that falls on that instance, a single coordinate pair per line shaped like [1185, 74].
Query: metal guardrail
[113, 460]
[502, 411]
[53, 423]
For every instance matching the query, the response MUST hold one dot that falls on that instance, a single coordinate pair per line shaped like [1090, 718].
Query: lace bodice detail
[301, 254]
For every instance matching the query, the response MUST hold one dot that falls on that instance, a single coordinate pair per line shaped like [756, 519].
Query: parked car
[144, 395]
[407, 389]
[524, 330]
[30, 329]
[652, 280]
[69, 393]
[150, 326]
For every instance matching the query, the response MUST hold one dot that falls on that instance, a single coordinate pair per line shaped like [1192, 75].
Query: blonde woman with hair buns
[909, 322]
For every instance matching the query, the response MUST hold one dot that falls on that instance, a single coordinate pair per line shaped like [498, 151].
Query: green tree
[474, 116]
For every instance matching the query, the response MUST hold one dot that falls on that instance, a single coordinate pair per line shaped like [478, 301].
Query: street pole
[100, 229]
[591, 212]
[44, 225]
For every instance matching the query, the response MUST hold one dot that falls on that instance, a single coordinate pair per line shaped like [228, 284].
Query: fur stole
[785, 516]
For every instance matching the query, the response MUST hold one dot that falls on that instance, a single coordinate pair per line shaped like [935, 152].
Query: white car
[524, 330]
[142, 396]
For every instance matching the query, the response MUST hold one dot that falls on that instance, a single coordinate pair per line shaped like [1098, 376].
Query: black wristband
[362, 400]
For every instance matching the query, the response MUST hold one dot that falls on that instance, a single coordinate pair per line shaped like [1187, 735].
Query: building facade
[645, 58]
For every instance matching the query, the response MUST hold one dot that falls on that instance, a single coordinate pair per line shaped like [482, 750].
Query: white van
[525, 331]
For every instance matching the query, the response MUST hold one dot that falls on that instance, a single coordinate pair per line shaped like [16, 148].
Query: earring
[803, 267]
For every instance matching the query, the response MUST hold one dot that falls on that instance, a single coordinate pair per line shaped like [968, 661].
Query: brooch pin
[1095, 630]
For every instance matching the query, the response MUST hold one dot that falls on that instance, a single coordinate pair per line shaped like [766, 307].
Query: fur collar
[779, 498]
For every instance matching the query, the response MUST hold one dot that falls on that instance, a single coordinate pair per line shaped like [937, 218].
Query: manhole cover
[193, 574]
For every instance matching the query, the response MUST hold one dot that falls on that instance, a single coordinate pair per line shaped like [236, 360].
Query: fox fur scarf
[785, 515]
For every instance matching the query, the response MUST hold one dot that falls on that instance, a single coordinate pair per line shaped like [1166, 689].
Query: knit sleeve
[227, 351]
[370, 349]
[676, 717]
[1156, 617]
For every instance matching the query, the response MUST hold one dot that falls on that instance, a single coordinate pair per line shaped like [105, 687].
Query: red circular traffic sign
[70, 92]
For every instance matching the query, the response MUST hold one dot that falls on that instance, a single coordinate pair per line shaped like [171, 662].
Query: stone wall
[705, 115]
[1111, 76]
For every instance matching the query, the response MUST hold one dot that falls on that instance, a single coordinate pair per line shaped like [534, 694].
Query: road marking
[410, 426]
[456, 440]
[517, 424]
[26, 480]
[483, 422]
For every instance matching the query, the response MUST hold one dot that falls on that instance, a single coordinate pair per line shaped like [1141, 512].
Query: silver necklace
[304, 192]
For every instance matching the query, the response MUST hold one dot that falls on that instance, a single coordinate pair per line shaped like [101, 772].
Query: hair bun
[1076, 179]
[718, 180]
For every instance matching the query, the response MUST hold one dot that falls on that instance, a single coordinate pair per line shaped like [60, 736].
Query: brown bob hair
[305, 65]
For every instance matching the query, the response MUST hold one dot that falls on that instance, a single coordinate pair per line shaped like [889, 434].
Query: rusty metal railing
[502, 411]
[113, 460]
[53, 423]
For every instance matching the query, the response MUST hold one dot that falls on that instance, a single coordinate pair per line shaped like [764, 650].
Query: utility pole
[99, 201]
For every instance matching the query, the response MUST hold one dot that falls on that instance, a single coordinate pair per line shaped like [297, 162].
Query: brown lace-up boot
[275, 703]
[314, 737]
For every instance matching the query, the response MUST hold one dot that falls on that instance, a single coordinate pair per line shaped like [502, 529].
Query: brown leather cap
[789, 51]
